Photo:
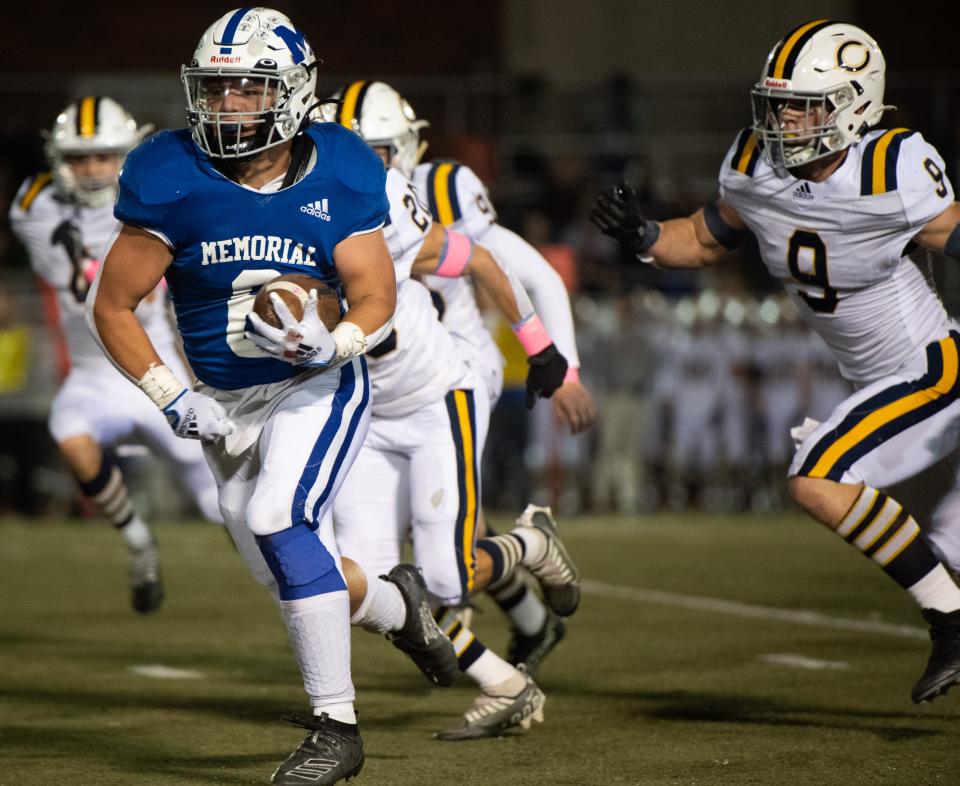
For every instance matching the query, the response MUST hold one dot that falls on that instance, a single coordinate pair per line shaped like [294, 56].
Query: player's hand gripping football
[193, 415]
[616, 212]
[304, 343]
[545, 374]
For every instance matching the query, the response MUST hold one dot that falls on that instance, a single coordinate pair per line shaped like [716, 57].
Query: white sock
[319, 628]
[341, 711]
[382, 609]
[535, 543]
[937, 591]
[490, 671]
[529, 615]
[136, 534]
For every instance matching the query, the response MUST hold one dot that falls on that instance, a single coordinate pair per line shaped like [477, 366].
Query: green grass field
[648, 688]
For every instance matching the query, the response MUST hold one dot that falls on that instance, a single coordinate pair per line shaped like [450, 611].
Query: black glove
[617, 213]
[547, 370]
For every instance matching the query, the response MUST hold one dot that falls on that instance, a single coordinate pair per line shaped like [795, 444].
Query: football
[293, 289]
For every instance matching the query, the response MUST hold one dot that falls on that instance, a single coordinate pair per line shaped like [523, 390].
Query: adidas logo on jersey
[803, 193]
[318, 209]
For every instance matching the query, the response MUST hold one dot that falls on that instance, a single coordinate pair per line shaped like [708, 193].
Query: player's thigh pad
[307, 447]
[371, 512]
[890, 430]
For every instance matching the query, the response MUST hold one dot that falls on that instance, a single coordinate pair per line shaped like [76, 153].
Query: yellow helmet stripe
[896, 409]
[788, 46]
[348, 109]
[87, 117]
[40, 182]
[441, 190]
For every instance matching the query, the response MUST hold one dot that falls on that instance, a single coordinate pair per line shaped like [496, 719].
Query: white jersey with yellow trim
[419, 362]
[66, 242]
[840, 247]
[407, 224]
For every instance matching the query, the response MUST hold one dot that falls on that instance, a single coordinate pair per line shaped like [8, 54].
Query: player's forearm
[123, 339]
[508, 296]
[372, 313]
[681, 246]
[543, 284]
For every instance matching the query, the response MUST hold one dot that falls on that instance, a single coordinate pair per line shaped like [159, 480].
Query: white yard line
[158, 671]
[735, 609]
[803, 662]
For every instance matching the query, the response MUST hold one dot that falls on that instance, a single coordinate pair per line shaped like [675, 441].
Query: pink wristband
[455, 255]
[533, 335]
[572, 375]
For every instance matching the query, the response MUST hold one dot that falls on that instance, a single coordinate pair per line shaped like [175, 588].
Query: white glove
[195, 416]
[304, 343]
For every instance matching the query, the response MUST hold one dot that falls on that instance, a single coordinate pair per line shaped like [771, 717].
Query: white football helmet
[382, 117]
[93, 125]
[259, 58]
[832, 70]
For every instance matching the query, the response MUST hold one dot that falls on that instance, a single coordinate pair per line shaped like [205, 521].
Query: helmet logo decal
[295, 42]
[848, 60]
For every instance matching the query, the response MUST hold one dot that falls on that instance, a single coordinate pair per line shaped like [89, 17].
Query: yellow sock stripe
[890, 510]
[744, 160]
[902, 538]
[879, 161]
[860, 509]
[884, 415]
[788, 47]
[39, 183]
[470, 485]
[348, 109]
[441, 193]
[88, 117]
[462, 640]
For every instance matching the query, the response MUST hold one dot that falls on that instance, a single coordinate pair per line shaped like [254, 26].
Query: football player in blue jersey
[249, 192]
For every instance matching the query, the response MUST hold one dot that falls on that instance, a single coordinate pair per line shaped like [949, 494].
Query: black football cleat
[531, 650]
[943, 667]
[556, 573]
[421, 637]
[332, 751]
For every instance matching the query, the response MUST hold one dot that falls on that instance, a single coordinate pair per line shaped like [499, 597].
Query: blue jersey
[228, 241]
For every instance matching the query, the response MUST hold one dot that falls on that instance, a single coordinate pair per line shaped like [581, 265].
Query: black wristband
[726, 235]
[644, 239]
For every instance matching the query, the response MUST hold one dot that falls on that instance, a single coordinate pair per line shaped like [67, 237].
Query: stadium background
[548, 101]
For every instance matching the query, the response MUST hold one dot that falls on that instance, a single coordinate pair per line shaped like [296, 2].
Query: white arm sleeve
[523, 262]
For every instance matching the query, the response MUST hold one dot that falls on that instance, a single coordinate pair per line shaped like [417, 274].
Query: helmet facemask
[236, 114]
[814, 133]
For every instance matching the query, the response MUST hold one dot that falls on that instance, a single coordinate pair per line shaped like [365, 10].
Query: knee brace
[300, 563]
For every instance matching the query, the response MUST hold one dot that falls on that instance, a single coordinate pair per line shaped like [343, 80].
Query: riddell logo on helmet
[222, 59]
[778, 83]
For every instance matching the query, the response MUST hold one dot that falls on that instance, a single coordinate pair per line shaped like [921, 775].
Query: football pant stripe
[39, 183]
[888, 413]
[463, 428]
[359, 402]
